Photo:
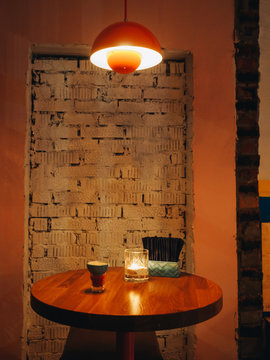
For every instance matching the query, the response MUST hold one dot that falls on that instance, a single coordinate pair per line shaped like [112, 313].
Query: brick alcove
[109, 161]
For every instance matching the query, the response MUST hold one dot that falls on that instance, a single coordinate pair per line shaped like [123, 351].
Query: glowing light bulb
[124, 61]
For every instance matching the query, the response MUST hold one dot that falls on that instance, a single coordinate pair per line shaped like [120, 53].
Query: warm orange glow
[124, 61]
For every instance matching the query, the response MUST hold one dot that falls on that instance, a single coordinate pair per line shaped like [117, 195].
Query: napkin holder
[164, 268]
[163, 255]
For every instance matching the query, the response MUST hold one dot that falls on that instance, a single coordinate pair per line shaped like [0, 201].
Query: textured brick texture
[250, 332]
[109, 162]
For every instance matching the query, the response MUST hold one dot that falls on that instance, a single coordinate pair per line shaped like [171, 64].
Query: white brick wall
[106, 152]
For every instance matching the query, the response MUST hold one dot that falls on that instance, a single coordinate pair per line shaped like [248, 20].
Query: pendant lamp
[125, 47]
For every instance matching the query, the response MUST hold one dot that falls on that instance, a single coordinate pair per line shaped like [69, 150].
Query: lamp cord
[125, 4]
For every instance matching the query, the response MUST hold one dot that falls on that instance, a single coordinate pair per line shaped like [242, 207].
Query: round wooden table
[125, 307]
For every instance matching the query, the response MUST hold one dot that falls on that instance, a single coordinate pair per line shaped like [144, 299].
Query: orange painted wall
[203, 27]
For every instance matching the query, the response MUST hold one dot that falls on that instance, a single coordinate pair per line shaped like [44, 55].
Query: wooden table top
[158, 304]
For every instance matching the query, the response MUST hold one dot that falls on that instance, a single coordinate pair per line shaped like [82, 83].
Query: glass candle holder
[97, 271]
[136, 265]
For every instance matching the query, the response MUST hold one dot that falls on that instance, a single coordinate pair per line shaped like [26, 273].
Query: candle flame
[136, 266]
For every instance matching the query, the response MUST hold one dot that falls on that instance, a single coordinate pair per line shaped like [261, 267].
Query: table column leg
[125, 345]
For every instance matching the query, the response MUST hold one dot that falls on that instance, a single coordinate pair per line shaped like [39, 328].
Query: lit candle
[136, 265]
[135, 269]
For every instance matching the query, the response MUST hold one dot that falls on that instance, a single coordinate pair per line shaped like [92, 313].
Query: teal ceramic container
[164, 268]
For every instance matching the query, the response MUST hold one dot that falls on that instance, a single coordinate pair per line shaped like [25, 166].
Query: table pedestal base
[125, 345]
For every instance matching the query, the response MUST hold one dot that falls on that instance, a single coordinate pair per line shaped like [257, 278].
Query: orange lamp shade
[125, 47]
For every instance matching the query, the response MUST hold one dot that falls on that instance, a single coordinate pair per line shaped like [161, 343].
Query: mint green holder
[164, 268]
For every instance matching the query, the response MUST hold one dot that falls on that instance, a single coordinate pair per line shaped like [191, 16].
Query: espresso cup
[97, 271]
